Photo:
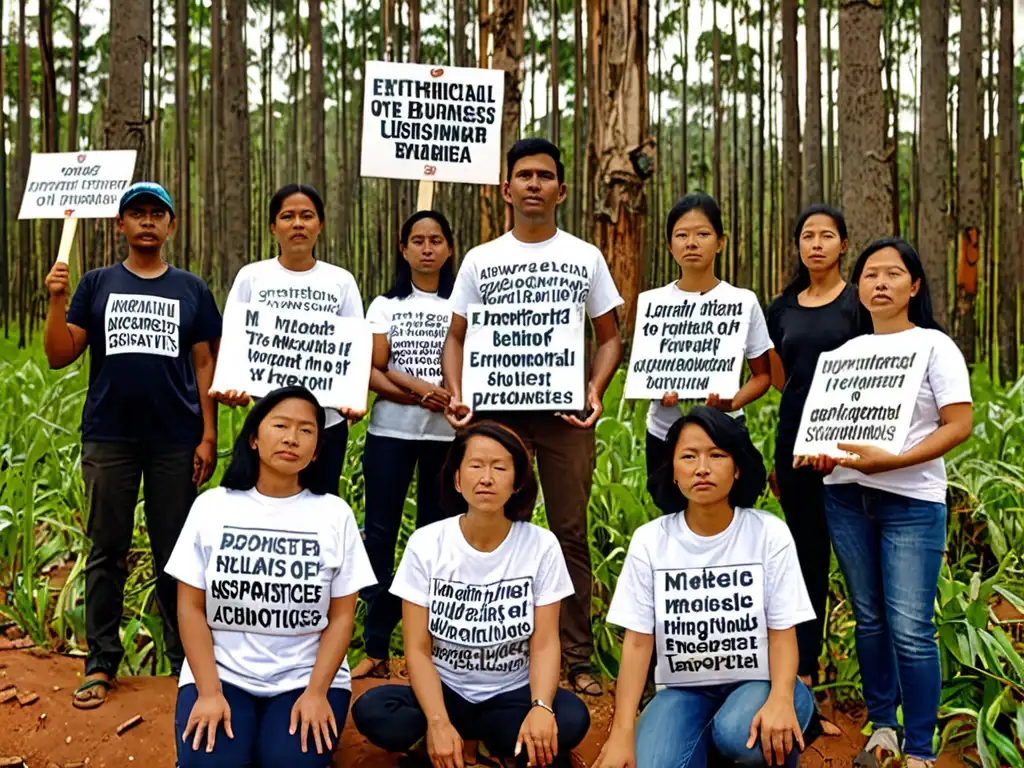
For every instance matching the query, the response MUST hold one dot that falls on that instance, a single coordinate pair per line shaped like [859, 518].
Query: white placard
[83, 185]
[864, 392]
[432, 123]
[692, 346]
[523, 357]
[264, 348]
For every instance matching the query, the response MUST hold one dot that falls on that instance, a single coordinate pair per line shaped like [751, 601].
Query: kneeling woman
[481, 594]
[714, 589]
[268, 569]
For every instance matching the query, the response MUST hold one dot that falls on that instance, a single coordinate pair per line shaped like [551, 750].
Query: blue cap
[145, 189]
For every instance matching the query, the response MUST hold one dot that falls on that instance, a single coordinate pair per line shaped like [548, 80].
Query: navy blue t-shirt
[142, 386]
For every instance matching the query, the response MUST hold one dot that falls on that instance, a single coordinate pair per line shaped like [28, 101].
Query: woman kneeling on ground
[481, 594]
[269, 566]
[714, 589]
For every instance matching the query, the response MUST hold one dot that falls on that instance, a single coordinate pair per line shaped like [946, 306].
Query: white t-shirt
[561, 270]
[659, 418]
[710, 600]
[416, 327]
[270, 568]
[480, 604]
[946, 382]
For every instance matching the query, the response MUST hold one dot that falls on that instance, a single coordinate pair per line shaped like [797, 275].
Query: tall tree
[684, 113]
[790, 119]
[182, 51]
[866, 183]
[215, 135]
[555, 110]
[746, 274]
[21, 178]
[506, 27]
[814, 190]
[934, 215]
[970, 192]
[317, 96]
[716, 88]
[1009, 190]
[578, 171]
[5, 278]
[76, 78]
[831, 170]
[236, 151]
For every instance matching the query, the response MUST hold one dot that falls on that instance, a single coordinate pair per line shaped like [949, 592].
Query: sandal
[591, 679]
[881, 750]
[375, 669]
[92, 698]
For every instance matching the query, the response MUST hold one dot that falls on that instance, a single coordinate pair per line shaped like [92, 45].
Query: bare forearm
[197, 640]
[387, 388]
[58, 342]
[451, 366]
[783, 661]
[545, 665]
[426, 684]
[606, 361]
[204, 381]
[636, 658]
[754, 388]
[937, 444]
[334, 642]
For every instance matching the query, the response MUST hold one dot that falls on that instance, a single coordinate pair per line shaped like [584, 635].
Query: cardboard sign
[692, 346]
[432, 123]
[81, 185]
[864, 392]
[264, 348]
[524, 357]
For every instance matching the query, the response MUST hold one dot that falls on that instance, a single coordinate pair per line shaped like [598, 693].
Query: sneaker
[882, 748]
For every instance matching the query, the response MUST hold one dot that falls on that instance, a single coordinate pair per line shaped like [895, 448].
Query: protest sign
[690, 345]
[265, 348]
[83, 185]
[432, 123]
[523, 357]
[710, 625]
[864, 392]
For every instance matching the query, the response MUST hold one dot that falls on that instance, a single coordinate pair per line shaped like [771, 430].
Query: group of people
[258, 579]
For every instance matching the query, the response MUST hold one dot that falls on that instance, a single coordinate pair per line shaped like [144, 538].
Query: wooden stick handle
[67, 239]
[425, 196]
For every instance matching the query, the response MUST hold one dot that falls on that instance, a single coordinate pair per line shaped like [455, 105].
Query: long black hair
[277, 201]
[695, 201]
[731, 437]
[402, 286]
[919, 311]
[801, 278]
[244, 469]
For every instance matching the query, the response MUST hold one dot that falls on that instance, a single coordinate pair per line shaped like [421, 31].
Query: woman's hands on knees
[206, 715]
[779, 728]
[444, 745]
[539, 734]
[619, 751]
[312, 712]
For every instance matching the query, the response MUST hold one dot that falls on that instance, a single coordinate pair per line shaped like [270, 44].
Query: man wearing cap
[151, 330]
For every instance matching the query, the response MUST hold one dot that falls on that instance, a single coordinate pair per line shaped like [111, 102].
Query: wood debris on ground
[128, 724]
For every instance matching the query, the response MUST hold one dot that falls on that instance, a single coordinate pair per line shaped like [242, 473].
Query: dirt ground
[50, 733]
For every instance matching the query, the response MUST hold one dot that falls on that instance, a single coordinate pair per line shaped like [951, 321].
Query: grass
[978, 611]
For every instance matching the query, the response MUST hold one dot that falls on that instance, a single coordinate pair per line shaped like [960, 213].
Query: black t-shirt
[800, 334]
[142, 386]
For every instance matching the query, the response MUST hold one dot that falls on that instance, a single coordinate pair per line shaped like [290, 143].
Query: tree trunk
[790, 119]
[555, 111]
[684, 120]
[970, 191]
[236, 151]
[771, 251]
[866, 183]
[182, 51]
[156, 67]
[814, 191]
[216, 128]
[716, 97]
[831, 170]
[761, 180]
[1009, 189]
[5, 273]
[76, 61]
[317, 166]
[934, 212]
[746, 275]
[734, 170]
[618, 99]
[578, 174]
[506, 27]
[987, 268]
[414, 30]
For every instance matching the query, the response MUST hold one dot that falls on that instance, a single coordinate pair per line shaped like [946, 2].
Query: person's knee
[383, 726]
[730, 732]
[572, 718]
[913, 637]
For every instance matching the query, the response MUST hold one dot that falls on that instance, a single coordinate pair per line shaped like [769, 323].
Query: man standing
[151, 330]
[563, 443]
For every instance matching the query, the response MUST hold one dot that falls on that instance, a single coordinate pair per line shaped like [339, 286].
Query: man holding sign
[151, 329]
[533, 284]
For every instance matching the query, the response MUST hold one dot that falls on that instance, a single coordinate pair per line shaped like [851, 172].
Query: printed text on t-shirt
[535, 282]
[142, 324]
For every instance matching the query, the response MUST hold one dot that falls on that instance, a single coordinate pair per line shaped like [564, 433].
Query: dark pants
[388, 465]
[112, 473]
[565, 464]
[391, 718]
[332, 455]
[802, 499]
[260, 726]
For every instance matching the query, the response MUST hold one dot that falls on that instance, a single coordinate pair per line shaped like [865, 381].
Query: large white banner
[83, 185]
[864, 392]
[263, 349]
[692, 346]
[432, 123]
[524, 357]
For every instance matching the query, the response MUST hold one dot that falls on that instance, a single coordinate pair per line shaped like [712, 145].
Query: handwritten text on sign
[523, 357]
[88, 184]
[416, 339]
[710, 625]
[265, 348]
[482, 628]
[692, 346]
[439, 124]
[864, 392]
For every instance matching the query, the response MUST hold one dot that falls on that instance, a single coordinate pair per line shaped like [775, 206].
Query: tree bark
[814, 190]
[790, 119]
[236, 151]
[934, 151]
[182, 49]
[1009, 190]
[317, 166]
[506, 27]
[555, 110]
[716, 97]
[746, 274]
[76, 61]
[578, 173]
[215, 200]
[831, 170]
[5, 274]
[763, 77]
[684, 121]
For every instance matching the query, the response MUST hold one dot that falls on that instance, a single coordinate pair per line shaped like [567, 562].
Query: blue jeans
[890, 550]
[260, 725]
[679, 726]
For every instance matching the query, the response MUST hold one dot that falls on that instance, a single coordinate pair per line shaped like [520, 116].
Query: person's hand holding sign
[721, 403]
[670, 400]
[58, 280]
[458, 413]
[352, 414]
[868, 459]
[232, 398]
[595, 409]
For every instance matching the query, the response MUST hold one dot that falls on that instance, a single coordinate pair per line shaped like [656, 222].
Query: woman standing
[296, 280]
[817, 312]
[887, 512]
[695, 238]
[268, 568]
[407, 427]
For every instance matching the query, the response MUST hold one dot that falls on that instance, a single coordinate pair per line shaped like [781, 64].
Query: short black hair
[520, 505]
[529, 148]
[695, 201]
[919, 311]
[402, 286]
[244, 469]
[729, 435]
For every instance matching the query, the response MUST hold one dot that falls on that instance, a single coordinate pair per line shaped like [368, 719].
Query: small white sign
[263, 349]
[432, 123]
[81, 185]
[864, 392]
[524, 357]
[692, 346]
